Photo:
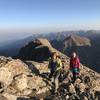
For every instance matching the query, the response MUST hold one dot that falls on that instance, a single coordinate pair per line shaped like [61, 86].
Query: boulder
[82, 87]
[36, 82]
[17, 67]
[72, 88]
[96, 85]
[21, 82]
[9, 96]
[5, 76]
[4, 60]
[77, 82]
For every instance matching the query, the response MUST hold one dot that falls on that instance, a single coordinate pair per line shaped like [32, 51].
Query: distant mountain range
[85, 43]
[12, 47]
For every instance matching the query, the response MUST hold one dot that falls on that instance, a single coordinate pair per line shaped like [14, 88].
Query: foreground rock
[18, 79]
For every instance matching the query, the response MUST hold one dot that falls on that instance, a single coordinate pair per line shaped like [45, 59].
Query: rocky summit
[28, 79]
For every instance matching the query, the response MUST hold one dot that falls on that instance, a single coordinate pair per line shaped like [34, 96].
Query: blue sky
[31, 16]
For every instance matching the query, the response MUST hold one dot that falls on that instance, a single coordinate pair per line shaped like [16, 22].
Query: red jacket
[74, 62]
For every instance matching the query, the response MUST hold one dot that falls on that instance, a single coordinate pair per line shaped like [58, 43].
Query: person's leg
[51, 74]
[74, 76]
[57, 80]
[77, 75]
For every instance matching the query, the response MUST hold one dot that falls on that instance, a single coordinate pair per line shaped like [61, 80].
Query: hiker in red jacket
[74, 65]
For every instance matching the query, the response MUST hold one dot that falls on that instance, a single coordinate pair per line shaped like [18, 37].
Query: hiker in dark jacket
[55, 66]
[74, 65]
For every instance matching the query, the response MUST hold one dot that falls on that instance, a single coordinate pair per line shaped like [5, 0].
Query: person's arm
[61, 65]
[49, 66]
[78, 62]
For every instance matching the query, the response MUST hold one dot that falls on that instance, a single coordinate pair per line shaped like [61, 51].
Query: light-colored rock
[3, 98]
[38, 68]
[4, 60]
[9, 96]
[5, 76]
[43, 90]
[35, 82]
[21, 82]
[72, 88]
[77, 82]
[96, 85]
[17, 67]
[85, 98]
[10, 90]
[42, 67]
[82, 87]
[27, 92]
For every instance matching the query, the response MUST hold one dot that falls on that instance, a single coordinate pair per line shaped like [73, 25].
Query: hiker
[55, 66]
[74, 65]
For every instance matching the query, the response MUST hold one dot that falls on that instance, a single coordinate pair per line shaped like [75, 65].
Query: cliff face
[29, 79]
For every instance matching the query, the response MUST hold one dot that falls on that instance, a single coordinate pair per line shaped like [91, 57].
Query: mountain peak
[77, 40]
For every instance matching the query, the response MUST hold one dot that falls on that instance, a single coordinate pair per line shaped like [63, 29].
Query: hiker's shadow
[37, 72]
[33, 69]
[45, 75]
[46, 79]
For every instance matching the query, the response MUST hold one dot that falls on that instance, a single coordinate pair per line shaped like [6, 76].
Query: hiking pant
[75, 75]
[51, 73]
[55, 78]
[75, 72]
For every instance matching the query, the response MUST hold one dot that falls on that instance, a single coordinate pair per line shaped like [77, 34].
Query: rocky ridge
[37, 50]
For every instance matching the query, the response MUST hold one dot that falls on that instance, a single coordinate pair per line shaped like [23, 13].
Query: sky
[25, 17]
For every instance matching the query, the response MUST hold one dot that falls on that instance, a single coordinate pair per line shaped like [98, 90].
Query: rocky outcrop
[37, 50]
[18, 79]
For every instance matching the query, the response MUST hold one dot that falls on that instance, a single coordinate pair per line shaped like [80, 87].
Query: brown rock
[82, 87]
[5, 76]
[77, 82]
[72, 88]
[36, 82]
[3, 98]
[21, 82]
[17, 67]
